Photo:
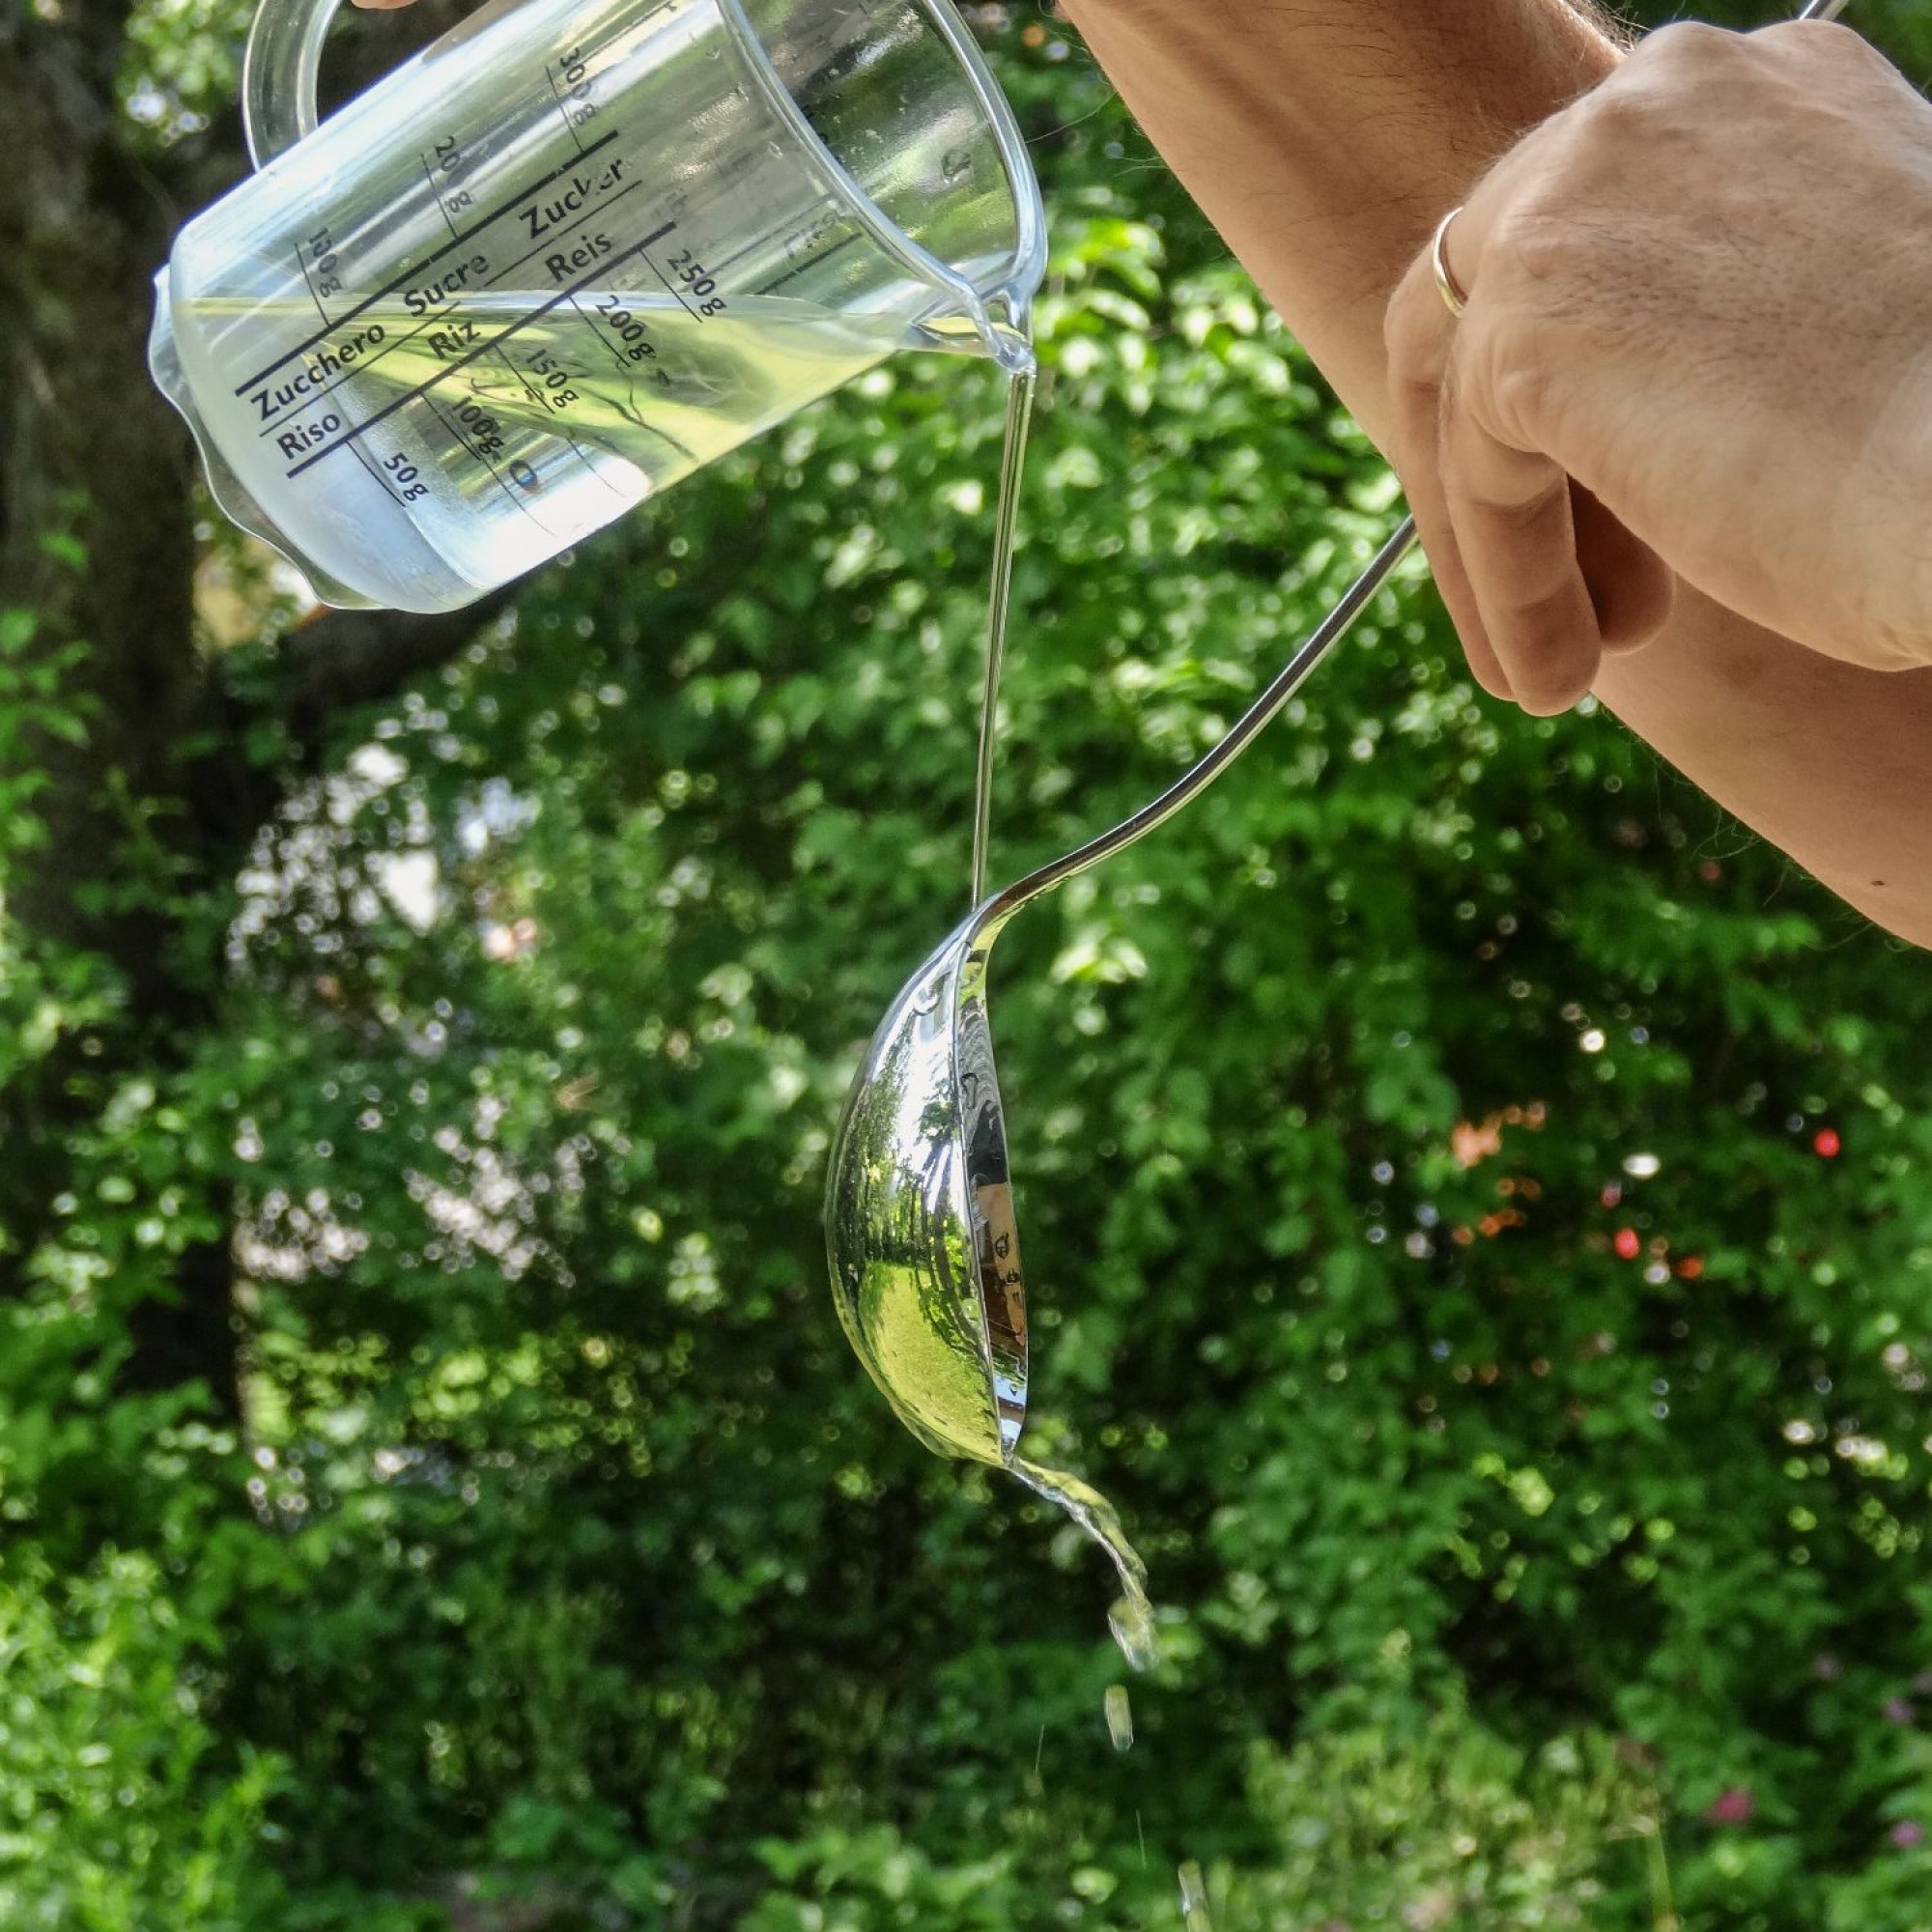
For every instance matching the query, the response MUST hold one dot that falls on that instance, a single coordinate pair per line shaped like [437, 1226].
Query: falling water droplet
[1194, 1900]
[1119, 1717]
[1131, 1621]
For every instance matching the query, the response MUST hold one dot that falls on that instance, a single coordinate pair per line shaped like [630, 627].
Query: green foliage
[1474, 1197]
[1449, 1827]
[115, 1807]
[182, 64]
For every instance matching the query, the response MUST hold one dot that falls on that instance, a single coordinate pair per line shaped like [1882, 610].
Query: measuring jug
[568, 255]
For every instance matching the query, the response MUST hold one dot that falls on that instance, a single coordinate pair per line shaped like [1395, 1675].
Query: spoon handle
[1002, 906]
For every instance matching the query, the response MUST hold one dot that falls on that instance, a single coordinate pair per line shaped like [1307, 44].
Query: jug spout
[978, 330]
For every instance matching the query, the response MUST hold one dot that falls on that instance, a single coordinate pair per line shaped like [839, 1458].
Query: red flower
[1731, 1806]
[1628, 1245]
[1826, 1143]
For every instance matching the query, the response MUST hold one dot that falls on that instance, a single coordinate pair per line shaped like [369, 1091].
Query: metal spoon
[919, 1203]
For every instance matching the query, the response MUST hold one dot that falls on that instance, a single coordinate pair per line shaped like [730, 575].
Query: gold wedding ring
[1455, 297]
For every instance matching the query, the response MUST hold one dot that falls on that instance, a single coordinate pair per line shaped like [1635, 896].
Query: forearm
[1325, 138]
[1825, 759]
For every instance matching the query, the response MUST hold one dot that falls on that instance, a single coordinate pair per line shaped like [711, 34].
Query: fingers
[1539, 579]
[1418, 332]
[1510, 510]
[1633, 589]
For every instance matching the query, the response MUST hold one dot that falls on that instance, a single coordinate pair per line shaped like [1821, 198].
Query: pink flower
[1907, 1836]
[1897, 1710]
[1733, 1806]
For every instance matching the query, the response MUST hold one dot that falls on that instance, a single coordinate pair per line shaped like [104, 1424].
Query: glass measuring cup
[568, 255]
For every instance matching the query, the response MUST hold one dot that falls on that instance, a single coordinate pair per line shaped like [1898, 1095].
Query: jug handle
[278, 73]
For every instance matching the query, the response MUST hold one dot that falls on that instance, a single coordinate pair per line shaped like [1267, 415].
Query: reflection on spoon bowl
[925, 1256]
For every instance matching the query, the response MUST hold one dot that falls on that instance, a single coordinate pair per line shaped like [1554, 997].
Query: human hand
[1696, 346]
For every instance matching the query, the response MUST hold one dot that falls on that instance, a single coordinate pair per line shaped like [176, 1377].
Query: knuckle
[1634, 106]
[1672, 69]
[1824, 40]
[1622, 105]
[1518, 510]
[1518, 392]
[1686, 44]
[1535, 533]
[1409, 331]
[1541, 243]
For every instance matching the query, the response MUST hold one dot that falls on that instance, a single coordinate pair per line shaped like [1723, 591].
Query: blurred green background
[1475, 1195]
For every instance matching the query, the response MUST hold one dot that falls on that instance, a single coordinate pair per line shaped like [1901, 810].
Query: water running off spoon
[1131, 1619]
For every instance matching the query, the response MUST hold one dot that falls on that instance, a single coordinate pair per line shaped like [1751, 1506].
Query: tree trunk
[148, 821]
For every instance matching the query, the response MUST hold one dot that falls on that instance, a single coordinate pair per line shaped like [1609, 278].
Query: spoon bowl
[925, 1256]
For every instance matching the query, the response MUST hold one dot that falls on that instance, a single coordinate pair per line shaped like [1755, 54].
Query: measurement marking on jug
[560, 260]
[630, 31]
[326, 264]
[631, 361]
[627, 358]
[416, 268]
[698, 286]
[446, 178]
[582, 105]
[442, 160]
[817, 261]
[314, 436]
[326, 279]
[488, 440]
[277, 406]
[438, 302]
[450, 332]
[556, 395]
[539, 217]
